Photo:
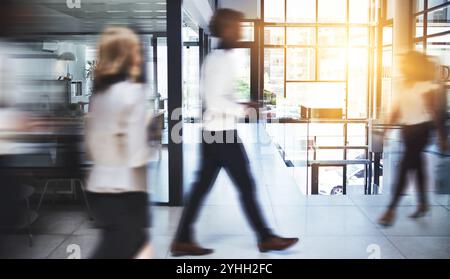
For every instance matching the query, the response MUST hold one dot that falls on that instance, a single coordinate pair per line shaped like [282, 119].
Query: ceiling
[144, 15]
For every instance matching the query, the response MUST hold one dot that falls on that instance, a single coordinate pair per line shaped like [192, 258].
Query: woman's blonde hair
[417, 66]
[115, 57]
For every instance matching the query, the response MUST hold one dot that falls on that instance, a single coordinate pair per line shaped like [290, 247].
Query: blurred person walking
[117, 143]
[13, 210]
[219, 122]
[420, 106]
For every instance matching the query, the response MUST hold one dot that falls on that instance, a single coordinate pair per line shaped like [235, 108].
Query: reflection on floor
[329, 226]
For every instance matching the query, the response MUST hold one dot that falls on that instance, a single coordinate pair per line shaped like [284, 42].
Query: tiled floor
[329, 227]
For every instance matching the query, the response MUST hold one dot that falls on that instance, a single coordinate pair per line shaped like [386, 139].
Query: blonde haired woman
[419, 105]
[116, 141]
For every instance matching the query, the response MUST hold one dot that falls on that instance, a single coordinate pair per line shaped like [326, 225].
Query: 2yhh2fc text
[222, 269]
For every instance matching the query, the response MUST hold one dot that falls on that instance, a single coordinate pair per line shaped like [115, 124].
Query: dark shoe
[387, 219]
[276, 243]
[188, 249]
[421, 212]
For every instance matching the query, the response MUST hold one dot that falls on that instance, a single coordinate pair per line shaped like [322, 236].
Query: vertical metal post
[175, 83]
[155, 64]
[201, 46]
[314, 179]
[377, 165]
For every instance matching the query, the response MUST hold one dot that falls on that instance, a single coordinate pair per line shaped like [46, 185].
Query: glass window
[386, 80]
[419, 5]
[190, 34]
[359, 11]
[359, 36]
[300, 64]
[301, 11]
[301, 36]
[331, 181]
[274, 36]
[334, 11]
[419, 46]
[434, 3]
[441, 40]
[439, 47]
[357, 154]
[419, 26]
[438, 21]
[356, 175]
[329, 154]
[248, 32]
[242, 86]
[387, 35]
[273, 11]
[327, 134]
[357, 83]
[273, 74]
[317, 94]
[191, 74]
[332, 36]
[389, 9]
[162, 66]
[356, 136]
[332, 64]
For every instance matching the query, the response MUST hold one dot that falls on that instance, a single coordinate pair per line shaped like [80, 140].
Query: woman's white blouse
[411, 102]
[116, 138]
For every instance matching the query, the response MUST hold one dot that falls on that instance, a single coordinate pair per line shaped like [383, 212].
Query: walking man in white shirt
[221, 146]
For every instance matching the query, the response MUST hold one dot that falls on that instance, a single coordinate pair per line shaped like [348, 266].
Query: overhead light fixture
[67, 56]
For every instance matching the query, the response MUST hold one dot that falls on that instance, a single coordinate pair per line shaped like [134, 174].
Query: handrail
[289, 120]
[339, 162]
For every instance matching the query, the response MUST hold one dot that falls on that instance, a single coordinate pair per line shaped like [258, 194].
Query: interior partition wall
[321, 54]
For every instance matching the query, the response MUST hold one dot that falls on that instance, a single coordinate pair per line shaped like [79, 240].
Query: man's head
[226, 25]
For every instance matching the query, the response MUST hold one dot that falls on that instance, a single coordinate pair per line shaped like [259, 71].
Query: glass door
[158, 169]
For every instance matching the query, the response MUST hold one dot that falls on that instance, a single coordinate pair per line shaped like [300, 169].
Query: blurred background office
[322, 74]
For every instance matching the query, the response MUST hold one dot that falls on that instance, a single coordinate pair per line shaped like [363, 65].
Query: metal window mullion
[347, 29]
[316, 43]
[425, 26]
[285, 48]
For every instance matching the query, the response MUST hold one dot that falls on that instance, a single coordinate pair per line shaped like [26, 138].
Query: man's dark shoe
[188, 249]
[277, 243]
